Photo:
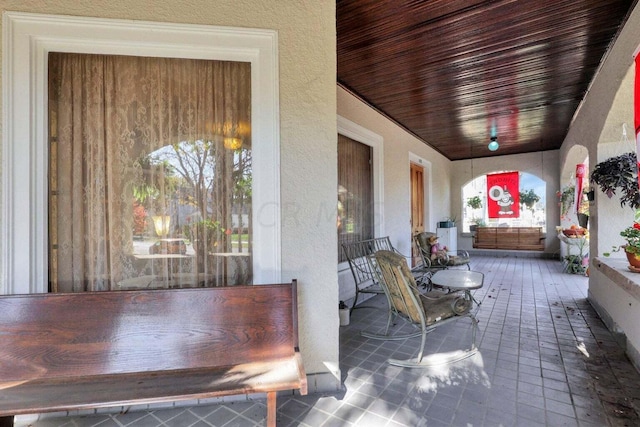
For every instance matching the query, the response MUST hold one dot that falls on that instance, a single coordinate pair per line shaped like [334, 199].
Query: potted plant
[529, 199]
[448, 222]
[475, 223]
[566, 197]
[632, 248]
[618, 175]
[474, 202]
[583, 209]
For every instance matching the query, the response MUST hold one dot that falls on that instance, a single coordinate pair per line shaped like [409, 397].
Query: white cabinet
[448, 237]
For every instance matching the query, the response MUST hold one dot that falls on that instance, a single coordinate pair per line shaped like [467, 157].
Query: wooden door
[417, 207]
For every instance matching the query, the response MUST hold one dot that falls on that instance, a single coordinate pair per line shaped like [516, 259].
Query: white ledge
[617, 270]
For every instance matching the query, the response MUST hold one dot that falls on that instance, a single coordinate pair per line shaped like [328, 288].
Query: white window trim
[28, 38]
[376, 142]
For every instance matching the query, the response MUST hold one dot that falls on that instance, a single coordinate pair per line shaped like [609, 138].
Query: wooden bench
[63, 352]
[511, 238]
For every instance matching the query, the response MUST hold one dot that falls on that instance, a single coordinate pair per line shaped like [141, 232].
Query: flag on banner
[580, 173]
[503, 190]
[636, 112]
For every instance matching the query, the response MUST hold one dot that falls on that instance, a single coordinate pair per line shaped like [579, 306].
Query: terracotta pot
[634, 259]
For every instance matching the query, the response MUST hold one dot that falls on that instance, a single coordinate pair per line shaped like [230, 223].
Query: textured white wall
[308, 138]
[616, 297]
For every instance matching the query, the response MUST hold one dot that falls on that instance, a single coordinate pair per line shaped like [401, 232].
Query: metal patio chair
[442, 260]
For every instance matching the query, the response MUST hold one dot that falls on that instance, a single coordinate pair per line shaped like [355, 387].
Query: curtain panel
[355, 193]
[134, 139]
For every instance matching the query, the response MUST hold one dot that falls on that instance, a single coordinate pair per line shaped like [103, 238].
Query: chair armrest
[462, 253]
[442, 259]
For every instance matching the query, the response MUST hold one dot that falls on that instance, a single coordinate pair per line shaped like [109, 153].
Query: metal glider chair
[425, 311]
[359, 254]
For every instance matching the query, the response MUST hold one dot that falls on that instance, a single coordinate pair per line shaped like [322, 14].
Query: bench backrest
[486, 234]
[101, 333]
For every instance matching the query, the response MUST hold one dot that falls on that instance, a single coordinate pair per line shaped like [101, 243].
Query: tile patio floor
[545, 359]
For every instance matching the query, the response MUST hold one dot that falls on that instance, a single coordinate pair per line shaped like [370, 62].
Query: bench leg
[6, 421]
[271, 409]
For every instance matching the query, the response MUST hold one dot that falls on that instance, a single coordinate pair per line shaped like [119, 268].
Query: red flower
[636, 226]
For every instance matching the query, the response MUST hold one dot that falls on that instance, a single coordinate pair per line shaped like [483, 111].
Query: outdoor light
[161, 223]
[232, 143]
[493, 145]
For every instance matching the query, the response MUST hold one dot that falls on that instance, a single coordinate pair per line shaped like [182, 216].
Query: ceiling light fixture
[493, 145]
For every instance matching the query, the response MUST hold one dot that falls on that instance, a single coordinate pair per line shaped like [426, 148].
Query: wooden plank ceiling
[452, 72]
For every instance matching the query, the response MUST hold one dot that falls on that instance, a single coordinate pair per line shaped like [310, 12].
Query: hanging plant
[529, 198]
[474, 202]
[566, 196]
[619, 176]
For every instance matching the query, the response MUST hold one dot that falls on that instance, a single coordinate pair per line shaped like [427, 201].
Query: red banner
[503, 190]
[581, 171]
[636, 111]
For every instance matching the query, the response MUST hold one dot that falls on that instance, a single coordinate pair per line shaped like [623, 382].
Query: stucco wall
[615, 294]
[308, 139]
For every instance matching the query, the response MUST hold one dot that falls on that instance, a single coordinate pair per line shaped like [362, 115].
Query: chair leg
[355, 301]
[271, 409]
[476, 301]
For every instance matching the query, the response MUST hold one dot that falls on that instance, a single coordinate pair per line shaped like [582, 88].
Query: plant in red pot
[632, 247]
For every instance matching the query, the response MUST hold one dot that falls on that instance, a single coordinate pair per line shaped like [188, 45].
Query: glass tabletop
[458, 279]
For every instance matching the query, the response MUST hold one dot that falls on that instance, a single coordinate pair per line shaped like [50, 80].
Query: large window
[26, 136]
[150, 181]
[355, 192]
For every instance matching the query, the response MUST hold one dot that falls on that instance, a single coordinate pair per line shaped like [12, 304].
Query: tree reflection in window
[204, 188]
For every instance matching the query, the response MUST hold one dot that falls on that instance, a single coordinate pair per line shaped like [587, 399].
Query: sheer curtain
[138, 139]
[355, 193]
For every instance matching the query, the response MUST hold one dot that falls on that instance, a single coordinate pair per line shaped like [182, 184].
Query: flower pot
[634, 259]
[344, 316]
[583, 220]
[446, 224]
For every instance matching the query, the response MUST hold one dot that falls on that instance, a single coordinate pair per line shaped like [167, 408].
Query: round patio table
[459, 280]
